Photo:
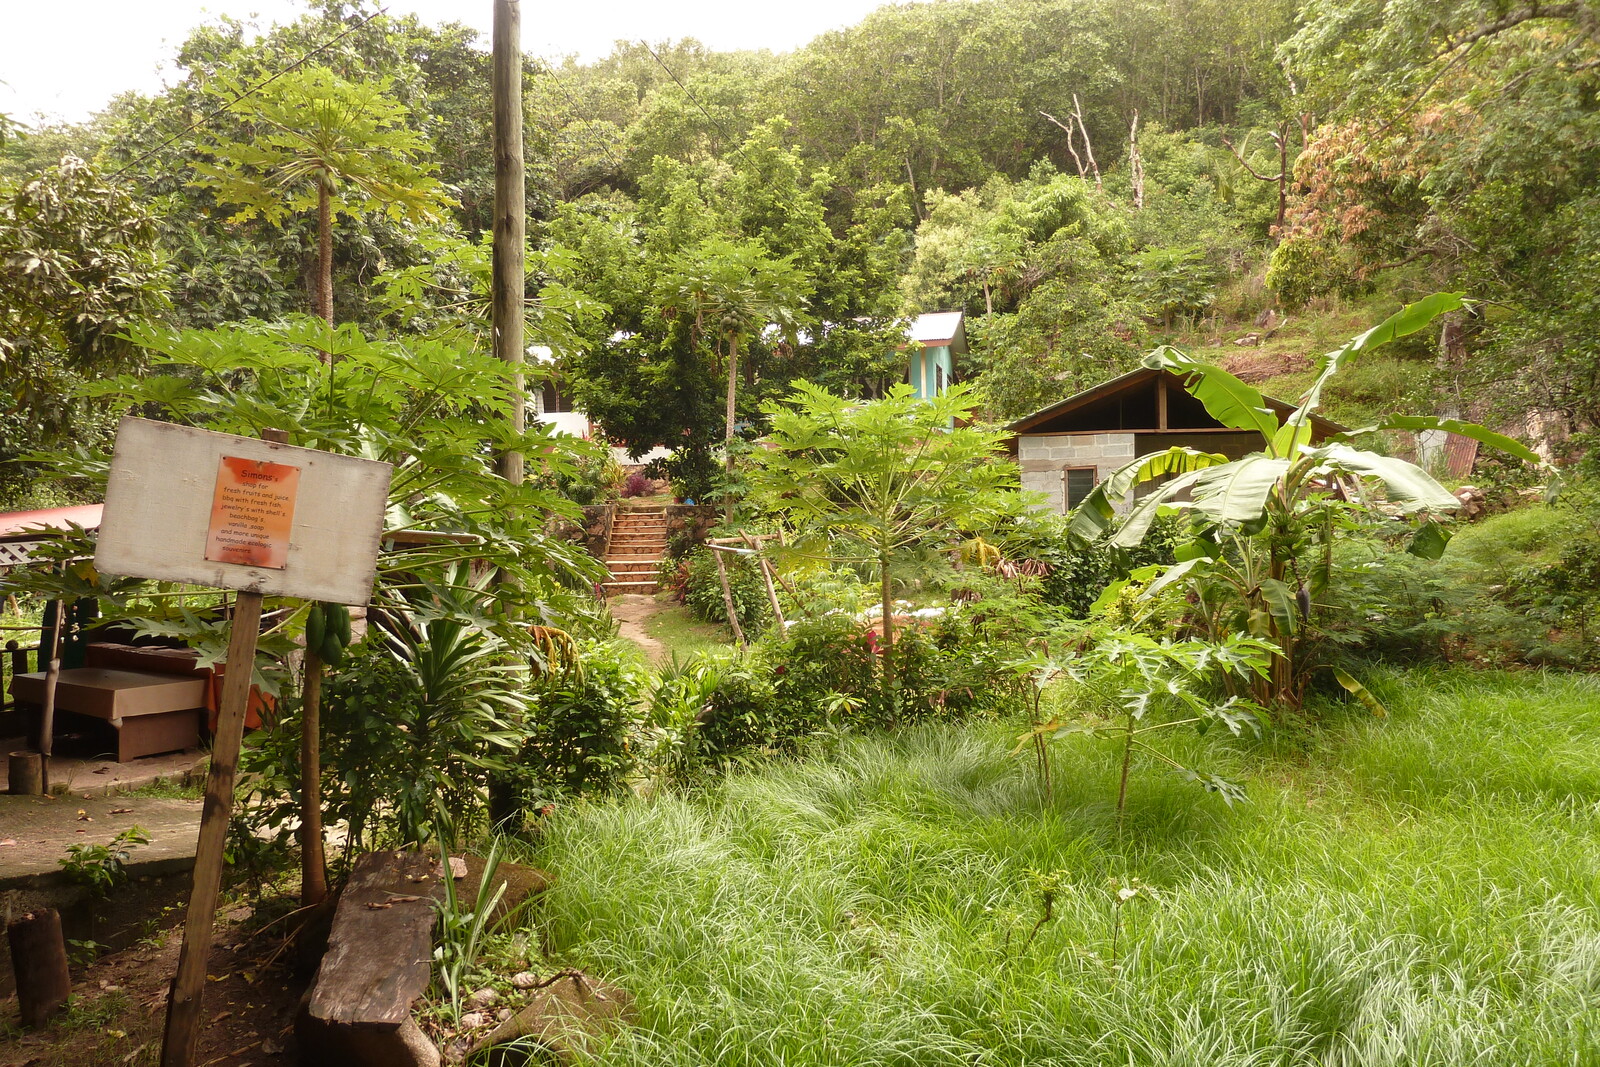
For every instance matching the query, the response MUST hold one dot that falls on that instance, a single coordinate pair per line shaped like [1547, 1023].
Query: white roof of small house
[939, 328]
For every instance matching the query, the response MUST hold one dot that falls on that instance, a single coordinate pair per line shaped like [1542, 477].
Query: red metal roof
[22, 523]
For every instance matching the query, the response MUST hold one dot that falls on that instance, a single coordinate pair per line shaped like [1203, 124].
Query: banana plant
[1266, 523]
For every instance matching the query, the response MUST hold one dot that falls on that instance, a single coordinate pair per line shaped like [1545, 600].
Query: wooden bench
[357, 1012]
[150, 712]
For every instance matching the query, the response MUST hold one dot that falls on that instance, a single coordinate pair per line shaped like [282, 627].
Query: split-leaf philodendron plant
[1265, 524]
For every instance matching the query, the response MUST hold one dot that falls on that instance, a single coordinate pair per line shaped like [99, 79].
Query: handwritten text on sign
[252, 512]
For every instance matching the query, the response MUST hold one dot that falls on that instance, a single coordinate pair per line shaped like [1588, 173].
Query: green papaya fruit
[332, 650]
[339, 622]
[316, 628]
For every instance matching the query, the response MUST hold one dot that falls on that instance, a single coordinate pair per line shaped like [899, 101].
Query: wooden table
[150, 712]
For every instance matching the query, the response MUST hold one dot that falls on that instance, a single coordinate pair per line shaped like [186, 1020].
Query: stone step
[614, 588]
[618, 568]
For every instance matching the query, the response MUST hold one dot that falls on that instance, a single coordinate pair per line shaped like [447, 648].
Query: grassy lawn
[1421, 890]
[681, 633]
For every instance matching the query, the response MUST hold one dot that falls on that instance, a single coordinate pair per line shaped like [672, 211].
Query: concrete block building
[1064, 450]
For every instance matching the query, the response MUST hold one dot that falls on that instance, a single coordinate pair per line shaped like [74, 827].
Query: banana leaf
[1481, 434]
[1407, 320]
[1236, 493]
[1230, 401]
[1408, 485]
[1096, 514]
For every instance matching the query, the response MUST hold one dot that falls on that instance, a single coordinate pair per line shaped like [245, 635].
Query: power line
[692, 98]
[208, 116]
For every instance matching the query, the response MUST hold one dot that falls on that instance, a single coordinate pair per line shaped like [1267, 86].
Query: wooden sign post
[263, 518]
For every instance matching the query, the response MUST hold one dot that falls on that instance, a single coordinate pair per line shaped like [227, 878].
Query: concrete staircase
[638, 544]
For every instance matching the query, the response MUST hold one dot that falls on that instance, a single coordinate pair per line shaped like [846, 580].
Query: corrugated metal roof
[15, 523]
[1134, 379]
[935, 327]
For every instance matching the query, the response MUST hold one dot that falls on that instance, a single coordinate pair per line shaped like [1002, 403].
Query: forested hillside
[1086, 178]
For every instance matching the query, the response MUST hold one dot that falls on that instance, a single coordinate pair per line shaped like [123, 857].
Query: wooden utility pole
[510, 211]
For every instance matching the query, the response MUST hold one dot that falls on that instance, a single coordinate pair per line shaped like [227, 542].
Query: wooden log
[381, 946]
[39, 961]
[26, 774]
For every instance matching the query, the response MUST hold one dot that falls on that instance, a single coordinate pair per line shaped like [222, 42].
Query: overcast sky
[67, 58]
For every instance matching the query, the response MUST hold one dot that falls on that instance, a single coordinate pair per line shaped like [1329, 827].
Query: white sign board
[189, 505]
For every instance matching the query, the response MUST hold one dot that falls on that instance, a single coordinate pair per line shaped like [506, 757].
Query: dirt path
[631, 610]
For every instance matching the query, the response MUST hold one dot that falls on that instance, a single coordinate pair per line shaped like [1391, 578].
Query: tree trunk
[891, 691]
[313, 867]
[733, 386]
[39, 961]
[727, 435]
[508, 269]
[1283, 178]
[324, 257]
[52, 678]
[727, 599]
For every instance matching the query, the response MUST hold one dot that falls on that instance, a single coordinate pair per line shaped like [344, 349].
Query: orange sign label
[251, 513]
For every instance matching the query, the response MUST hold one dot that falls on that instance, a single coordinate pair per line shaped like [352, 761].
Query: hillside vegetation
[1084, 177]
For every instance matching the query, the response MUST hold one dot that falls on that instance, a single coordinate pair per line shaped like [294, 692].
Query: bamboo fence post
[727, 598]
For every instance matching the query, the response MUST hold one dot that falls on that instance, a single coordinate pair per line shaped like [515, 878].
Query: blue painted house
[933, 342]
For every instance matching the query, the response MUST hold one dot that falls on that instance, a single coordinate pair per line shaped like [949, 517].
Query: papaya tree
[731, 291]
[318, 141]
[1265, 525]
[870, 483]
[343, 148]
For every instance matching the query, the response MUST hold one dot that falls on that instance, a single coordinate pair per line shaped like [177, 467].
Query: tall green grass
[1417, 891]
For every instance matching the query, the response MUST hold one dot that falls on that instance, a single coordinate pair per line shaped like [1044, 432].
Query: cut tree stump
[561, 1015]
[39, 960]
[26, 774]
[358, 1010]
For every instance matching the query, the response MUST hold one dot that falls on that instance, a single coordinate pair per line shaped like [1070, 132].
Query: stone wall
[592, 533]
[689, 523]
